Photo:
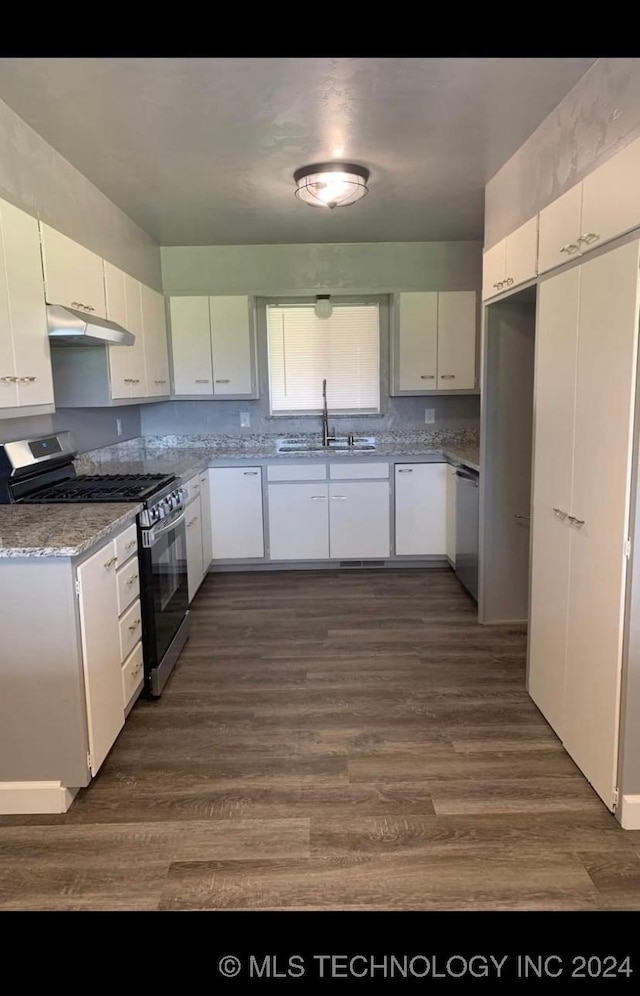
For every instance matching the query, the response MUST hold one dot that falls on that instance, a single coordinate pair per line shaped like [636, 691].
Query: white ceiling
[202, 151]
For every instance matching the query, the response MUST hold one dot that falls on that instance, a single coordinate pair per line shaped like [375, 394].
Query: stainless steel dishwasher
[467, 528]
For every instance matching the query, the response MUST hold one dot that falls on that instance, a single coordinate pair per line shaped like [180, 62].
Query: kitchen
[278, 579]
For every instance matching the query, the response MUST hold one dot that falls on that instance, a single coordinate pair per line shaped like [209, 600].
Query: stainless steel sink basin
[360, 444]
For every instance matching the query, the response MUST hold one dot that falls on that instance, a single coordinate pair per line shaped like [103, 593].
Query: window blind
[304, 349]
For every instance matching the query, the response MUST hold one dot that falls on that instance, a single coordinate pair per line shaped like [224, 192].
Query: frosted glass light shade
[331, 185]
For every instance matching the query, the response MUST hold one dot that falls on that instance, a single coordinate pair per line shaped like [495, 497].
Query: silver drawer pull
[202, 381]
[110, 563]
[427, 376]
[578, 523]
[406, 470]
[130, 545]
[137, 669]
[223, 381]
[318, 497]
[134, 625]
[559, 513]
[250, 473]
[447, 376]
[588, 238]
[338, 497]
[132, 579]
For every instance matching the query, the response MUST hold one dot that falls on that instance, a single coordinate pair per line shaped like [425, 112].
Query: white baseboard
[630, 812]
[35, 797]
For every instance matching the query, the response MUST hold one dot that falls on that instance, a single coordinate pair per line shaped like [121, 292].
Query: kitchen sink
[360, 444]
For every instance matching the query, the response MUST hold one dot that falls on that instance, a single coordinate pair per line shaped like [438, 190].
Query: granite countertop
[60, 530]
[467, 454]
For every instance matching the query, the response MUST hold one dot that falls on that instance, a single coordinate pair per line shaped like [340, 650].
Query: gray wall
[355, 268]
[35, 177]
[92, 427]
[596, 119]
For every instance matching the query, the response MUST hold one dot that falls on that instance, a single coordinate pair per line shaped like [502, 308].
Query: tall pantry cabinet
[586, 355]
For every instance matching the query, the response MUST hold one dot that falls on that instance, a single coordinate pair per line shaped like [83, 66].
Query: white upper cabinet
[120, 365]
[417, 341]
[434, 345]
[156, 352]
[212, 344]
[559, 230]
[73, 275]
[231, 345]
[135, 353]
[25, 362]
[512, 261]
[611, 198]
[191, 345]
[457, 340]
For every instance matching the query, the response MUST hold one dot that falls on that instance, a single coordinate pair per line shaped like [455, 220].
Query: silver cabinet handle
[497, 286]
[509, 281]
[223, 381]
[27, 380]
[523, 517]
[134, 625]
[427, 376]
[191, 521]
[250, 473]
[318, 497]
[132, 579]
[135, 380]
[570, 248]
[559, 513]
[588, 238]
[137, 669]
[128, 380]
[130, 545]
[160, 382]
[406, 470]
[110, 563]
[77, 304]
[578, 523]
[9, 380]
[203, 381]
[447, 376]
[338, 497]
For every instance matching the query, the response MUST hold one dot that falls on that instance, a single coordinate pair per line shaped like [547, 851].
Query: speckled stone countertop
[60, 530]
[186, 455]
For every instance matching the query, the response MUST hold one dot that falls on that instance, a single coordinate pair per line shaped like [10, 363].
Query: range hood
[68, 327]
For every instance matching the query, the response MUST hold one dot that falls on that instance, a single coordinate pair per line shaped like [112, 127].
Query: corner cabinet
[26, 383]
[213, 347]
[421, 509]
[434, 342]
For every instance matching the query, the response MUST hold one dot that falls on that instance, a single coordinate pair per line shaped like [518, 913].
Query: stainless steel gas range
[41, 471]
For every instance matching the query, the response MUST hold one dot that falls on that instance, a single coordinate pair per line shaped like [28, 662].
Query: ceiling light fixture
[323, 308]
[331, 184]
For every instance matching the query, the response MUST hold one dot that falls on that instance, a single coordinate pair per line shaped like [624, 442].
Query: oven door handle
[151, 536]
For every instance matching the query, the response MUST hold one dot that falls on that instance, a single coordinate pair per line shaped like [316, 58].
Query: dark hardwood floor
[332, 740]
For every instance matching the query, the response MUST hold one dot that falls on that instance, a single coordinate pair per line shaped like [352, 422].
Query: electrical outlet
[119, 426]
[429, 415]
[245, 419]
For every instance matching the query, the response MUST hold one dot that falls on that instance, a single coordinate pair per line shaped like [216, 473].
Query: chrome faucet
[326, 438]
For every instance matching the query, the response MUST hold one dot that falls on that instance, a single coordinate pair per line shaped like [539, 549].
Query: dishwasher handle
[468, 476]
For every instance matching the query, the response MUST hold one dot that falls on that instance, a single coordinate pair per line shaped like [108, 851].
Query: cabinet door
[607, 347]
[359, 520]
[417, 341]
[298, 521]
[231, 345]
[457, 340]
[451, 514]
[73, 275]
[156, 355]
[494, 264]
[522, 253]
[554, 416]
[195, 572]
[120, 362]
[559, 228]
[135, 353]
[611, 198]
[205, 505]
[421, 509]
[8, 379]
[101, 651]
[27, 316]
[191, 345]
[236, 512]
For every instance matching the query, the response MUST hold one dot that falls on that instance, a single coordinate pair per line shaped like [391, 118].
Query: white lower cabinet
[299, 521]
[451, 515]
[195, 568]
[359, 520]
[205, 508]
[421, 509]
[237, 531]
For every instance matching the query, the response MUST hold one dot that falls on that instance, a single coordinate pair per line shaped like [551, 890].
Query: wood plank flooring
[332, 740]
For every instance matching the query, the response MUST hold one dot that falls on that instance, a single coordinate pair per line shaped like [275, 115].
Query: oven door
[165, 595]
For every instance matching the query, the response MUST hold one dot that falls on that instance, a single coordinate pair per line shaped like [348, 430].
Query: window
[304, 350]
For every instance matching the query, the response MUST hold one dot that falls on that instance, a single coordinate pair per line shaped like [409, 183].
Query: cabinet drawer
[132, 675]
[130, 629]
[192, 487]
[126, 544]
[297, 472]
[128, 578]
[357, 471]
